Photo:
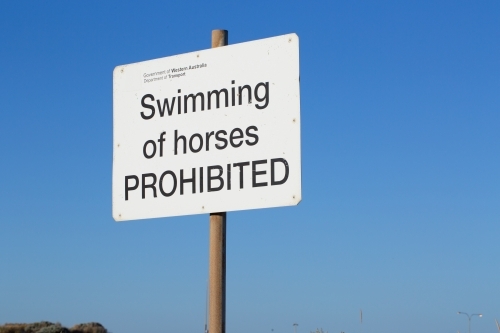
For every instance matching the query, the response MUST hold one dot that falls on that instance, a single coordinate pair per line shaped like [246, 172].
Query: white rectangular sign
[209, 131]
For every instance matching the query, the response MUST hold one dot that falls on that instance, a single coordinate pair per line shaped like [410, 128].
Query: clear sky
[400, 216]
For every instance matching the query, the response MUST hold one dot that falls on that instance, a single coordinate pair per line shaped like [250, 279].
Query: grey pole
[470, 317]
[217, 274]
[217, 260]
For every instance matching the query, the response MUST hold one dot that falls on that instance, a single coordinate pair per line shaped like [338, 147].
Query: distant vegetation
[48, 327]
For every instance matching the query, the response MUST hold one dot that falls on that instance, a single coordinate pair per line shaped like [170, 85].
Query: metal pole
[219, 38]
[217, 274]
[470, 317]
[217, 260]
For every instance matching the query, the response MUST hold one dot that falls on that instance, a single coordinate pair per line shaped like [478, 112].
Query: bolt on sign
[209, 131]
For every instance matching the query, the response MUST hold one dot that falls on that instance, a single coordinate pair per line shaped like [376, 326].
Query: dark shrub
[88, 328]
[56, 328]
[12, 328]
[35, 327]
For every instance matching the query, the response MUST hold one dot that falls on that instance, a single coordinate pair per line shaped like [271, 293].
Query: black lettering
[255, 173]
[160, 184]
[221, 139]
[254, 136]
[207, 139]
[147, 106]
[193, 97]
[170, 108]
[189, 180]
[217, 93]
[151, 186]
[263, 99]
[129, 188]
[229, 176]
[241, 165]
[249, 94]
[233, 99]
[176, 139]
[201, 179]
[210, 178]
[179, 104]
[160, 141]
[233, 137]
[285, 163]
[200, 138]
[144, 149]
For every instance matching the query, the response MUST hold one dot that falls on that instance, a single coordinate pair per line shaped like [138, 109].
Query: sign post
[210, 131]
[217, 260]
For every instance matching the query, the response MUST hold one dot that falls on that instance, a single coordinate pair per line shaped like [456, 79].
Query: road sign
[208, 131]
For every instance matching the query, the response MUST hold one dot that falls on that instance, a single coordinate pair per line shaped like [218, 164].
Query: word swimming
[210, 99]
[213, 178]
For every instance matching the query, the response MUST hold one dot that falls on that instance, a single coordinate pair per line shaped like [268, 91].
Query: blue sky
[400, 110]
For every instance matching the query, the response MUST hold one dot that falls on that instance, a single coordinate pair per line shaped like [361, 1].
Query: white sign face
[210, 131]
